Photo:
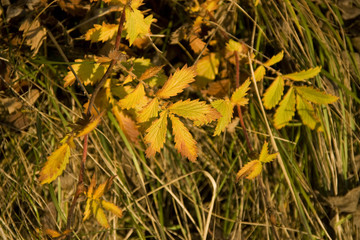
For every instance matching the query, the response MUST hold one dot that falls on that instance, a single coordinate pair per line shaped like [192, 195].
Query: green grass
[169, 197]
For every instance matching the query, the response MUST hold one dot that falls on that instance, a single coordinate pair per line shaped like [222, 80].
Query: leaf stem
[237, 84]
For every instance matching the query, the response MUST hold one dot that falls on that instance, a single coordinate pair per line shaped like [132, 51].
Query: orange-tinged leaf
[92, 186]
[238, 96]
[286, 110]
[150, 72]
[87, 211]
[52, 233]
[208, 67]
[112, 208]
[273, 93]
[134, 98]
[99, 214]
[90, 126]
[177, 82]
[265, 156]
[225, 108]
[307, 113]
[303, 75]
[102, 32]
[55, 164]
[196, 44]
[149, 111]
[136, 24]
[127, 125]
[234, 46]
[259, 73]
[275, 59]
[191, 109]
[314, 95]
[251, 170]
[156, 134]
[102, 188]
[184, 141]
[218, 89]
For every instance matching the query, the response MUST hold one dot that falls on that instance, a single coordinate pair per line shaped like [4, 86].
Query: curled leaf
[250, 170]
[90, 126]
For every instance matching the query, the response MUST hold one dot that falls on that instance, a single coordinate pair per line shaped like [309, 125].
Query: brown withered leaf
[347, 203]
[34, 33]
[218, 89]
[74, 7]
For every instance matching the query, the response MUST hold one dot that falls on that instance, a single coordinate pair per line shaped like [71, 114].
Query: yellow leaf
[91, 187]
[177, 82]
[150, 72]
[251, 170]
[264, 155]
[136, 24]
[207, 67]
[99, 214]
[156, 134]
[259, 73]
[307, 113]
[52, 233]
[273, 93]
[102, 188]
[127, 125]
[87, 211]
[193, 110]
[149, 111]
[286, 110]
[315, 96]
[238, 96]
[90, 126]
[112, 208]
[225, 108]
[55, 164]
[275, 59]
[184, 141]
[234, 46]
[303, 75]
[102, 32]
[132, 99]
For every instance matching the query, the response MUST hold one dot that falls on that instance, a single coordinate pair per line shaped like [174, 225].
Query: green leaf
[238, 96]
[259, 73]
[225, 108]
[303, 75]
[306, 112]
[275, 59]
[286, 110]
[315, 96]
[273, 93]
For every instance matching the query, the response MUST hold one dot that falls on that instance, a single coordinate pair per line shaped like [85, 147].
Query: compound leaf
[303, 75]
[286, 110]
[156, 134]
[273, 94]
[184, 141]
[275, 59]
[133, 98]
[177, 82]
[55, 164]
[238, 96]
[315, 96]
[225, 108]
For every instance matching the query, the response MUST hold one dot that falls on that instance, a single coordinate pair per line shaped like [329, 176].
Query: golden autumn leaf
[101, 33]
[273, 93]
[234, 46]
[194, 110]
[135, 24]
[197, 45]
[52, 233]
[99, 214]
[250, 170]
[286, 110]
[133, 98]
[238, 97]
[156, 134]
[259, 73]
[87, 211]
[207, 67]
[90, 126]
[149, 111]
[275, 59]
[150, 72]
[127, 125]
[225, 108]
[112, 208]
[265, 156]
[303, 75]
[55, 164]
[184, 141]
[177, 82]
[102, 188]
